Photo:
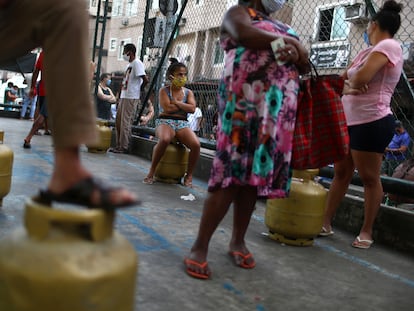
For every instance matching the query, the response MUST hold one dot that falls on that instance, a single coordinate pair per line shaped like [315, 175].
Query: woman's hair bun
[392, 6]
[173, 60]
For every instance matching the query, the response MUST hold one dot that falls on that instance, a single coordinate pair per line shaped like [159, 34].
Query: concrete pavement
[326, 276]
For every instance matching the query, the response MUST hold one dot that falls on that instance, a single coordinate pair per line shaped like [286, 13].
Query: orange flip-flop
[243, 263]
[201, 265]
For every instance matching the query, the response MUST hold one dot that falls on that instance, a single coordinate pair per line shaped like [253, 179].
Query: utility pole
[100, 21]
[168, 8]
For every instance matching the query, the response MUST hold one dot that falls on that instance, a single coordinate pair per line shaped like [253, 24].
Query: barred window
[332, 24]
[218, 53]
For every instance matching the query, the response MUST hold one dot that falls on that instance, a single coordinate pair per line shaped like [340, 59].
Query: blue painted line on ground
[163, 243]
[355, 259]
[366, 264]
[230, 288]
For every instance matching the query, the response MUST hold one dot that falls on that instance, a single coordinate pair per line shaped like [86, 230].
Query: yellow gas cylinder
[67, 260]
[104, 140]
[102, 122]
[173, 164]
[298, 219]
[6, 165]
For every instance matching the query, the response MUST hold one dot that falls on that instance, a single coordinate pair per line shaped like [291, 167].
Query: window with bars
[332, 24]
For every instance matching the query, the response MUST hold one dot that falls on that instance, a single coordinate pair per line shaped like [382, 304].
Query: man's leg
[127, 111]
[50, 24]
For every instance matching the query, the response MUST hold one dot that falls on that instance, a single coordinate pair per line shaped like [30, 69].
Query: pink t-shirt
[375, 103]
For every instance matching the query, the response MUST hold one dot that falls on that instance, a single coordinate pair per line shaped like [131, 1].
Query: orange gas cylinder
[67, 260]
[104, 140]
[298, 219]
[173, 164]
[6, 165]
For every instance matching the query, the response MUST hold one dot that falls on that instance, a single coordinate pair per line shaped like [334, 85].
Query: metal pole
[145, 35]
[95, 36]
[98, 66]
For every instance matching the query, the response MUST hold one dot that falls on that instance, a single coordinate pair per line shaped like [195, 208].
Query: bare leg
[215, 208]
[36, 125]
[342, 177]
[189, 139]
[244, 205]
[369, 167]
[165, 134]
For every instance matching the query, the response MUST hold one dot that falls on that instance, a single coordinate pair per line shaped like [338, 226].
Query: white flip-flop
[360, 243]
[325, 232]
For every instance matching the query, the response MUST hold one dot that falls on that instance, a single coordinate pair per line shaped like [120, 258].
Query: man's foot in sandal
[198, 270]
[91, 193]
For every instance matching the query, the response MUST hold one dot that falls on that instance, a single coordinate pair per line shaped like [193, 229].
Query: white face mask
[272, 6]
[125, 57]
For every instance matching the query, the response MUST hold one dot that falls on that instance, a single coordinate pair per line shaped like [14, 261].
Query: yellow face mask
[179, 82]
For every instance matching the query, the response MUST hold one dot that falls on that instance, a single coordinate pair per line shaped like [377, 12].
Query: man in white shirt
[194, 120]
[134, 78]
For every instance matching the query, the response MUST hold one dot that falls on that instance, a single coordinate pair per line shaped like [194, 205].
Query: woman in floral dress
[257, 107]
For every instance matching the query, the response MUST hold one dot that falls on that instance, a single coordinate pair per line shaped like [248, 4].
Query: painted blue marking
[366, 264]
[356, 260]
[232, 289]
[229, 287]
[163, 243]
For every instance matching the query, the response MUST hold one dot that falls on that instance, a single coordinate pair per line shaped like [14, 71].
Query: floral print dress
[257, 102]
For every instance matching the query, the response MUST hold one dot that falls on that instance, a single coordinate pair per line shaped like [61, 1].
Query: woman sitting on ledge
[176, 102]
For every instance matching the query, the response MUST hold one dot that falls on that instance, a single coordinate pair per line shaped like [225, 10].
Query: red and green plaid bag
[321, 134]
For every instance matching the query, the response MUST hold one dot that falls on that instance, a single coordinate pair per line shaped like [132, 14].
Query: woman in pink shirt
[370, 83]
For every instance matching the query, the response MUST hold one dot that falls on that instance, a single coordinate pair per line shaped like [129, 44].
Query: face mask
[108, 82]
[271, 6]
[366, 38]
[179, 82]
[125, 57]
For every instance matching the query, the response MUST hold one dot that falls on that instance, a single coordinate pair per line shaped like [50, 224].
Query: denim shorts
[373, 136]
[176, 125]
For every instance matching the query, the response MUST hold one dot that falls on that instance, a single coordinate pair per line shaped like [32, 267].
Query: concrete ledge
[394, 227]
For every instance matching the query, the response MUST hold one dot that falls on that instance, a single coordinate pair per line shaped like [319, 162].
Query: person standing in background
[370, 82]
[105, 97]
[38, 88]
[28, 102]
[134, 79]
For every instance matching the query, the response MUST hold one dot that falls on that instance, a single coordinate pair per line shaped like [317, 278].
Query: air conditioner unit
[125, 21]
[356, 13]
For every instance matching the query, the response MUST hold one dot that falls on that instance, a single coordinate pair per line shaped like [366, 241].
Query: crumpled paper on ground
[189, 197]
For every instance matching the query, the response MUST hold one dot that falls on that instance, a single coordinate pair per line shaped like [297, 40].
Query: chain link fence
[332, 31]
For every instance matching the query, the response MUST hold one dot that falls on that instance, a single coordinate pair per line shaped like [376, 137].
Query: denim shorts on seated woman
[176, 125]
[373, 136]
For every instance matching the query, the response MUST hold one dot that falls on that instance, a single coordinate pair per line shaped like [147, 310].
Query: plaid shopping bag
[321, 134]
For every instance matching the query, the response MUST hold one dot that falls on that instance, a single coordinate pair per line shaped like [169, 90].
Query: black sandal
[26, 145]
[81, 194]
